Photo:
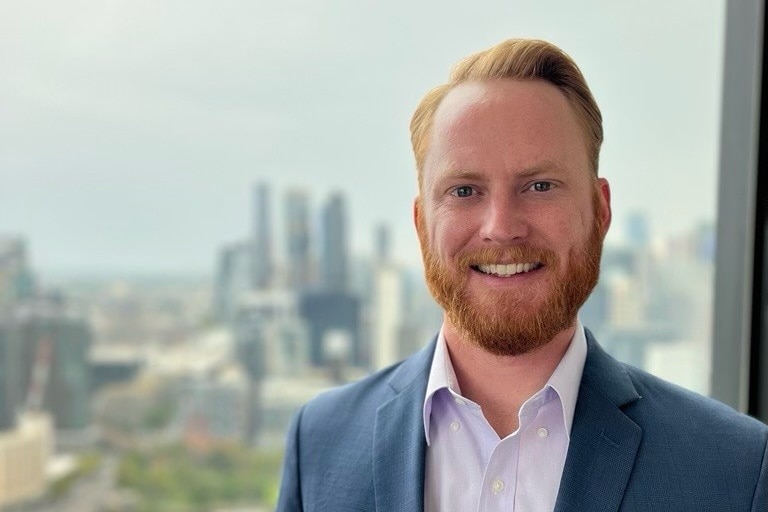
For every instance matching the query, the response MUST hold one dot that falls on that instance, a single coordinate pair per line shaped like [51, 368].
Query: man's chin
[511, 305]
[504, 329]
[506, 343]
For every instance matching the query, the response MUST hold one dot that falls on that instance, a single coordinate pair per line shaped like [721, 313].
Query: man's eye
[464, 191]
[541, 186]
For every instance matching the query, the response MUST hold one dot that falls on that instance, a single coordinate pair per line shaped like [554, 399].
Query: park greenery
[86, 465]
[174, 479]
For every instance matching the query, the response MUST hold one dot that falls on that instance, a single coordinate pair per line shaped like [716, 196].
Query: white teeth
[506, 270]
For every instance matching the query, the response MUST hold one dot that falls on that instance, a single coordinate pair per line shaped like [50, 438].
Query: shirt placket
[543, 442]
[497, 492]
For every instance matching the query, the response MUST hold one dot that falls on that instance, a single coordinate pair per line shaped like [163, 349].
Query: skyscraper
[232, 278]
[51, 370]
[638, 230]
[297, 229]
[334, 261]
[16, 280]
[382, 243]
[262, 265]
[329, 313]
[11, 387]
[387, 315]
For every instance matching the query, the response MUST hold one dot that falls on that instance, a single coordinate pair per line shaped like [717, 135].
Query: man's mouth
[508, 269]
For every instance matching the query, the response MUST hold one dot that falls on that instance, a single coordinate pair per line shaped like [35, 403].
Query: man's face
[510, 218]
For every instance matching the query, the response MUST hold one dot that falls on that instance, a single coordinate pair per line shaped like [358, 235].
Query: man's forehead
[472, 98]
[528, 118]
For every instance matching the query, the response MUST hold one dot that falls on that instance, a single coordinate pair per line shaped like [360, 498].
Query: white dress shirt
[468, 467]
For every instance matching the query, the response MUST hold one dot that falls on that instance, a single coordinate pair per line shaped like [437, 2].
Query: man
[514, 406]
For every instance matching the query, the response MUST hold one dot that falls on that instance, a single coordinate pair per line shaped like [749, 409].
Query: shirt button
[497, 486]
[542, 432]
[455, 426]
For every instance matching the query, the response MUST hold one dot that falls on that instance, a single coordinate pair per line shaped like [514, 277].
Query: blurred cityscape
[170, 393]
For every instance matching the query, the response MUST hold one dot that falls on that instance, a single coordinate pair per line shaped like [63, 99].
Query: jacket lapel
[604, 441]
[399, 446]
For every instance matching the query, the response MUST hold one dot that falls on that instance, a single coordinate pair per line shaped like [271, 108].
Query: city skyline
[281, 259]
[133, 133]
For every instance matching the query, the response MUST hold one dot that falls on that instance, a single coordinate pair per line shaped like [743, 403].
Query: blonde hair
[519, 59]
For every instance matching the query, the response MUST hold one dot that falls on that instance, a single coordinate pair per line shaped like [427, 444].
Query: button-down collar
[564, 381]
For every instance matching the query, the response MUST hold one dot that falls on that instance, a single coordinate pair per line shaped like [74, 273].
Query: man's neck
[501, 384]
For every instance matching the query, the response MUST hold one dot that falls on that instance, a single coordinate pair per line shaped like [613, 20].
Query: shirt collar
[565, 380]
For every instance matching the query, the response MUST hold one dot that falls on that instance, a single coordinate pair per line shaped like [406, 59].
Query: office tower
[334, 259]
[53, 368]
[269, 336]
[328, 314]
[10, 373]
[24, 459]
[262, 264]
[213, 407]
[595, 312]
[269, 340]
[233, 278]
[382, 241]
[638, 230]
[16, 280]
[387, 315]
[297, 228]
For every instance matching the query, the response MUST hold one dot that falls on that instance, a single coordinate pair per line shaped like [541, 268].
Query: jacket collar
[604, 440]
[399, 446]
[601, 454]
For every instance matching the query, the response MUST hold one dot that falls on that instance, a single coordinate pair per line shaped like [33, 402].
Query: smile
[507, 270]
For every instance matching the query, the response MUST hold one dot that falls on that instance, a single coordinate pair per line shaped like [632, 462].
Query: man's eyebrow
[464, 174]
[545, 166]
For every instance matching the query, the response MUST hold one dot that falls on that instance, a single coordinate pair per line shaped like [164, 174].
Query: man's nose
[503, 221]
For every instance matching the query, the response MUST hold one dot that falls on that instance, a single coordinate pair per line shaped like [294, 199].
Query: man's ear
[604, 204]
[416, 211]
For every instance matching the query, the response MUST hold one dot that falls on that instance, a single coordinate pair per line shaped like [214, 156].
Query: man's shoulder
[368, 392]
[672, 407]
[659, 406]
[361, 399]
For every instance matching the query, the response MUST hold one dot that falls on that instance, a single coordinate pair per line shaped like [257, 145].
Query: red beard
[508, 322]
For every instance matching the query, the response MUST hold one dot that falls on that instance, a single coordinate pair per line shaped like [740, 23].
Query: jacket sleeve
[289, 499]
[760, 500]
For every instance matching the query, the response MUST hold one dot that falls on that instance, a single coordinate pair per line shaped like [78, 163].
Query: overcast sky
[132, 131]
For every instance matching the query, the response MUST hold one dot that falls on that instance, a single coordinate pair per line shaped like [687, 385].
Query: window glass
[206, 220]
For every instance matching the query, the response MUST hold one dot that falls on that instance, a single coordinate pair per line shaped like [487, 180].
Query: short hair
[519, 59]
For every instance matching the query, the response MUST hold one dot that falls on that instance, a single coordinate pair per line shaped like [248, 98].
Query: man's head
[515, 59]
[510, 214]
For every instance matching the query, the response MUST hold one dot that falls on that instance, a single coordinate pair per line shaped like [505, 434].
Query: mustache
[511, 254]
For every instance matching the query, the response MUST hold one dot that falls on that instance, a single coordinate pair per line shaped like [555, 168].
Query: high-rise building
[11, 393]
[334, 259]
[387, 315]
[297, 234]
[330, 317]
[638, 230]
[262, 266]
[52, 371]
[270, 339]
[386, 308]
[382, 243]
[16, 280]
[233, 278]
[213, 406]
[24, 455]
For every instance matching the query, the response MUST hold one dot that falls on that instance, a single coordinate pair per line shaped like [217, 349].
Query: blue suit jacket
[637, 444]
